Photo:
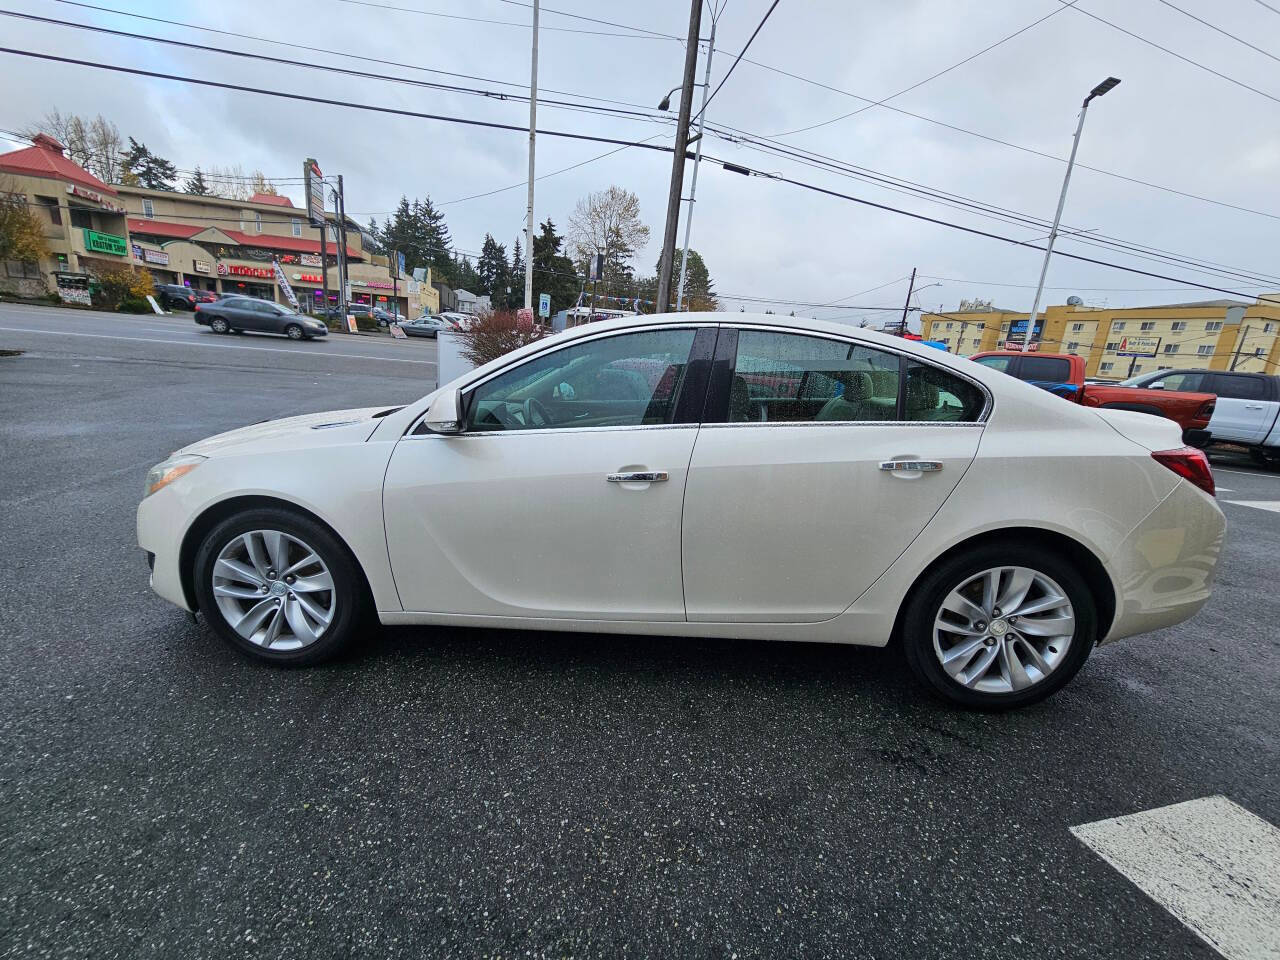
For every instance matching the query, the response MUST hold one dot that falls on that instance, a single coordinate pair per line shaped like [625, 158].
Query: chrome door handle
[1253, 406]
[652, 476]
[912, 466]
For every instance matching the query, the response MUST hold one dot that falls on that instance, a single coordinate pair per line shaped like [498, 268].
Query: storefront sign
[95, 196]
[73, 289]
[283, 284]
[314, 190]
[1138, 347]
[310, 260]
[105, 243]
[235, 270]
[380, 284]
[307, 277]
[201, 266]
[156, 256]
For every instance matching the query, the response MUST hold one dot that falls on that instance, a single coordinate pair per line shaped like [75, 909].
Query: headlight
[163, 474]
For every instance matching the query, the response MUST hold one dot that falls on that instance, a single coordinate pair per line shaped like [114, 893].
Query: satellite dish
[1074, 302]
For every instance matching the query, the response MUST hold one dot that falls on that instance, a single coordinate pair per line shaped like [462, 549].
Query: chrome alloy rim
[273, 590]
[1003, 630]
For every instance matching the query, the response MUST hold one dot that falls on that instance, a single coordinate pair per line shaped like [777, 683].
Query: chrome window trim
[968, 424]
[557, 431]
[989, 401]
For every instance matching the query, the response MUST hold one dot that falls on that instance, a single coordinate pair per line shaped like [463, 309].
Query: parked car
[1247, 412]
[173, 296]
[259, 316]
[386, 317]
[424, 326]
[1062, 374]
[898, 493]
[460, 321]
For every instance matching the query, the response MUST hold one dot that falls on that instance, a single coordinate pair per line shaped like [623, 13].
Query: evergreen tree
[373, 237]
[493, 271]
[553, 272]
[462, 275]
[151, 171]
[699, 289]
[516, 277]
[195, 184]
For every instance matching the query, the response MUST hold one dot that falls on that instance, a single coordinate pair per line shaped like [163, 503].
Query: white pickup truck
[1247, 412]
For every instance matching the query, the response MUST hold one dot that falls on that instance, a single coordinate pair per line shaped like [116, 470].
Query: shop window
[296, 225]
[148, 208]
[51, 207]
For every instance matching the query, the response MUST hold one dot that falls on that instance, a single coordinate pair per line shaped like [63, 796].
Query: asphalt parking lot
[465, 793]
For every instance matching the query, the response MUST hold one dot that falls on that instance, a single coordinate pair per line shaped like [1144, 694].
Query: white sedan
[704, 475]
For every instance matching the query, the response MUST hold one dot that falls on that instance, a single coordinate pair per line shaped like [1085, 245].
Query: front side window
[793, 378]
[629, 380]
[1182, 381]
[996, 363]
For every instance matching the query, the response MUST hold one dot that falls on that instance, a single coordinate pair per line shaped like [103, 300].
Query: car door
[1243, 411]
[819, 461]
[562, 498]
[245, 314]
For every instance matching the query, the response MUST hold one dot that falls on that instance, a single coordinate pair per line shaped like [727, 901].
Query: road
[460, 793]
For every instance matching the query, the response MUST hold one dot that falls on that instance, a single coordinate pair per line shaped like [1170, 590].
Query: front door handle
[912, 466]
[651, 476]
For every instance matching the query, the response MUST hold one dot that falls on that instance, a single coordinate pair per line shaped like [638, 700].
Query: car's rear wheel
[293, 332]
[999, 627]
[279, 587]
[218, 325]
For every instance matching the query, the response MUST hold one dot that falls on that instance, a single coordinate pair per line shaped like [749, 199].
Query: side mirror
[444, 414]
[1158, 385]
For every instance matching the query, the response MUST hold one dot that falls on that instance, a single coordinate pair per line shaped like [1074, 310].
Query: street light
[1097, 91]
[665, 103]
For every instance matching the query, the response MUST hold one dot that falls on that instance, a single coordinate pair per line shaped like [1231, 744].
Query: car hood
[329, 428]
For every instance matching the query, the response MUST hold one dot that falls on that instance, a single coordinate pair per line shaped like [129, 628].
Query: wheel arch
[224, 509]
[1090, 566]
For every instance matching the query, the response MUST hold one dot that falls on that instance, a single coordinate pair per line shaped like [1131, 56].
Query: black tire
[218, 325]
[1265, 457]
[294, 332]
[926, 600]
[352, 604]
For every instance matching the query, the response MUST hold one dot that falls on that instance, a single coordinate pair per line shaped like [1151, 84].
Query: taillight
[1206, 411]
[1190, 464]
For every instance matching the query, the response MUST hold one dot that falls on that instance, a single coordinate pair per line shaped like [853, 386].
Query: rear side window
[1239, 388]
[1046, 369]
[941, 396]
[793, 378]
[995, 363]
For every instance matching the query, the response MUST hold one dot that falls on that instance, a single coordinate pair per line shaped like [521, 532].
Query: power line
[935, 76]
[1217, 29]
[738, 59]
[1172, 53]
[1275, 10]
[502, 23]
[1032, 286]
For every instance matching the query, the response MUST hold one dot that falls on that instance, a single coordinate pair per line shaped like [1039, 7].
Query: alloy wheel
[274, 590]
[1003, 630]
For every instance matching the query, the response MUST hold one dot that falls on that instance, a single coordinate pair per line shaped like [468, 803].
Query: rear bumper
[1165, 568]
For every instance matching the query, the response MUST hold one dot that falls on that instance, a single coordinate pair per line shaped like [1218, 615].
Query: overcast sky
[1168, 123]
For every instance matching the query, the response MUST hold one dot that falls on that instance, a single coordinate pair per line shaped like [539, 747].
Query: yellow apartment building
[1211, 334]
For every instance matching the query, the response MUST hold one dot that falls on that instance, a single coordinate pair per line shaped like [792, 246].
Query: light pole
[1097, 91]
[697, 159]
[533, 135]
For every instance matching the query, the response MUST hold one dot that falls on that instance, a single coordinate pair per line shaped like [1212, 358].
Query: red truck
[1063, 374]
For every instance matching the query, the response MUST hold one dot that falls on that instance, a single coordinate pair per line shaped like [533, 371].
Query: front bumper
[161, 527]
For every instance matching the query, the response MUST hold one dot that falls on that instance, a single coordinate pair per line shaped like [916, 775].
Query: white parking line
[219, 346]
[1210, 862]
[1247, 473]
[1272, 505]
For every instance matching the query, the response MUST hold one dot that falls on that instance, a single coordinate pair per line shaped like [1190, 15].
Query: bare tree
[231, 183]
[69, 129]
[608, 222]
[262, 185]
[93, 144]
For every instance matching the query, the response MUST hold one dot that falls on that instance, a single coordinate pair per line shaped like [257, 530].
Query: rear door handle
[912, 466]
[652, 476]
[1253, 406]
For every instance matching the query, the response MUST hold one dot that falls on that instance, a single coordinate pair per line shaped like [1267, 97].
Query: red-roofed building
[82, 217]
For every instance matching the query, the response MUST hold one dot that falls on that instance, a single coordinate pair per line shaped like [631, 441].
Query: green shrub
[133, 305]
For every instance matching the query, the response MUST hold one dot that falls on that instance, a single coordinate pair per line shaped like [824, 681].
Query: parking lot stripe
[1272, 505]
[1210, 862]
[1245, 473]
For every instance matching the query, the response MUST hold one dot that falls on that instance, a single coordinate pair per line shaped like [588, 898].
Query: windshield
[1140, 380]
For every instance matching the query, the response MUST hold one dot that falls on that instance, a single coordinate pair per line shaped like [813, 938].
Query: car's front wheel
[1000, 626]
[293, 332]
[279, 587]
[218, 325]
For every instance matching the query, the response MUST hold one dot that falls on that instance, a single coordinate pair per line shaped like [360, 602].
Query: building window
[1118, 325]
[1073, 346]
[1113, 345]
[51, 205]
[1106, 368]
[81, 218]
[148, 208]
[1158, 369]
[296, 224]
[1137, 368]
[1204, 350]
[1170, 348]
[257, 220]
[1077, 327]
[1268, 327]
[1179, 326]
[1148, 324]
[1213, 326]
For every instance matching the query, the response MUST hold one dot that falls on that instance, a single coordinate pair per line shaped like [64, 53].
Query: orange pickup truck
[1063, 374]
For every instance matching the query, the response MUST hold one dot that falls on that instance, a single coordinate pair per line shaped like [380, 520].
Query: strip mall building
[210, 243]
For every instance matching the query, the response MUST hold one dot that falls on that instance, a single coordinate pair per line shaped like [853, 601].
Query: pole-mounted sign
[314, 181]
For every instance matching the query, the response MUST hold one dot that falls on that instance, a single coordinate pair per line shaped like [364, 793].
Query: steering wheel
[535, 414]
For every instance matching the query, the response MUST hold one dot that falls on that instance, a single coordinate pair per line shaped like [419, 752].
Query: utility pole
[1097, 91]
[533, 121]
[343, 283]
[1239, 346]
[666, 261]
[902, 326]
[697, 160]
[324, 258]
